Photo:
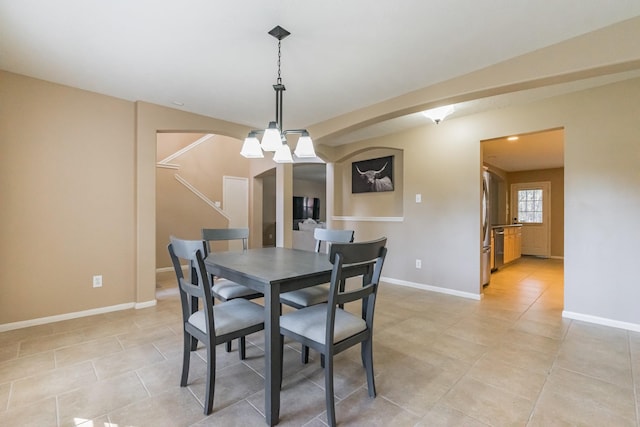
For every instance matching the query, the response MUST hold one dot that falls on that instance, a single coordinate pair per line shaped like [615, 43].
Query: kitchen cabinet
[512, 243]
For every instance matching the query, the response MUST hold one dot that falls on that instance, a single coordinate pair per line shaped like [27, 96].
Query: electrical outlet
[418, 198]
[97, 281]
[418, 263]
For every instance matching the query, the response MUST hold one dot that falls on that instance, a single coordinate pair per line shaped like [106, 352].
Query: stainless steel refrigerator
[486, 229]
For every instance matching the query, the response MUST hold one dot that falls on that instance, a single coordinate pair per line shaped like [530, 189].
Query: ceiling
[215, 58]
[539, 150]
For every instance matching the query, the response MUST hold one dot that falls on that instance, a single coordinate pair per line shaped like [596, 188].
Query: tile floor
[508, 360]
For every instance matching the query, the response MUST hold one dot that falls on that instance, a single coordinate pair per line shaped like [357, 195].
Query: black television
[306, 207]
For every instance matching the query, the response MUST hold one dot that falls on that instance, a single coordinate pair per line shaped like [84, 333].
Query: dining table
[271, 271]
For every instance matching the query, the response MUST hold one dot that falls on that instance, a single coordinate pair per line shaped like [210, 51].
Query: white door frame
[235, 202]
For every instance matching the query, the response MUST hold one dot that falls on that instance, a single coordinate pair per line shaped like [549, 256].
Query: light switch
[418, 198]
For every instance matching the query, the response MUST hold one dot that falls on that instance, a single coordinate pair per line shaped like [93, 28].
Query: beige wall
[78, 183]
[78, 196]
[67, 173]
[556, 178]
[441, 164]
[601, 179]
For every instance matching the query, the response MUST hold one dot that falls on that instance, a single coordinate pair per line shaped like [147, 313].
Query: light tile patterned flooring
[508, 360]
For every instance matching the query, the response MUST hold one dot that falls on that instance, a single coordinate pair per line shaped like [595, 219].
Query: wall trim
[437, 289]
[167, 166]
[601, 321]
[204, 198]
[369, 218]
[68, 316]
[180, 152]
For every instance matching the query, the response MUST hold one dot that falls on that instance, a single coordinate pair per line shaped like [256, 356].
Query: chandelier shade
[274, 136]
[272, 139]
[251, 147]
[304, 148]
[283, 154]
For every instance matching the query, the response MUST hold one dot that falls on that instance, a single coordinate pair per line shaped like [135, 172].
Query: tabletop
[258, 268]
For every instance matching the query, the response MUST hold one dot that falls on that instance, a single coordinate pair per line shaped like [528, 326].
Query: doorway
[528, 159]
[530, 165]
[530, 203]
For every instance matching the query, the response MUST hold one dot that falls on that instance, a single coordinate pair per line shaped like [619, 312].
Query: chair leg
[328, 387]
[186, 359]
[304, 356]
[194, 344]
[242, 348]
[228, 346]
[211, 377]
[367, 353]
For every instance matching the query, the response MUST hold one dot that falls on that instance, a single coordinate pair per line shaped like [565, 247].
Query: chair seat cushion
[230, 316]
[311, 322]
[227, 289]
[306, 297]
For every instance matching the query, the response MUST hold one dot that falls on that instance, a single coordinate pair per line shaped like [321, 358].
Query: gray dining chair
[313, 295]
[329, 329]
[211, 324]
[223, 289]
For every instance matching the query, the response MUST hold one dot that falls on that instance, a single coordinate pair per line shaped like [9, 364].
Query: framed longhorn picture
[374, 175]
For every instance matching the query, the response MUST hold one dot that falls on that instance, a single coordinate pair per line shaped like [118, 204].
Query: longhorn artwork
[374, 175]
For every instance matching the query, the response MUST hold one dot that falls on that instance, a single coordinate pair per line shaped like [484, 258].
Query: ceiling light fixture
[274, 137]
[438, 114]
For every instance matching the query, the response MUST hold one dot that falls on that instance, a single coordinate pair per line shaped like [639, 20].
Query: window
[530, 206]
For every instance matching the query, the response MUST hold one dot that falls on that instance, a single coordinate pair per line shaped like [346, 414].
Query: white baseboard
[145, 304]
[74, 315]
[601, 321]
[164, 269]
[438, 289]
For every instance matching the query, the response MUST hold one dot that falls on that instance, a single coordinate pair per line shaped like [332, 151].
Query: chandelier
[438, 114]
[274, 137]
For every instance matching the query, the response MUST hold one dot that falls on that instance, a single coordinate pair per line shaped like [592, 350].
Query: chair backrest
[196, 286]
[332, 236]
[219, 234]
[356, 259]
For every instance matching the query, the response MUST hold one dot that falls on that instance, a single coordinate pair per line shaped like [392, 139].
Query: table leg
[272, 354]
